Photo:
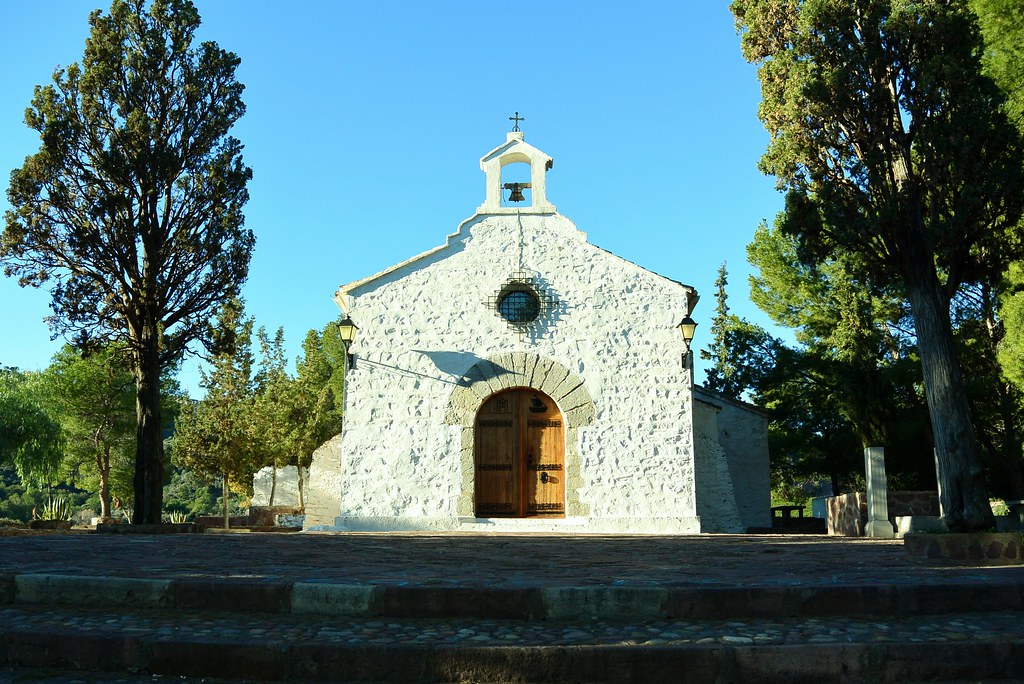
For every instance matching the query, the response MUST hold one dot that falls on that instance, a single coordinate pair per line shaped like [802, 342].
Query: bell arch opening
[516, 182]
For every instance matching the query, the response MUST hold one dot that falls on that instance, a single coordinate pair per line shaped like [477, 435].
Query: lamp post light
[347, 330]
[348, 333]
[687, 328]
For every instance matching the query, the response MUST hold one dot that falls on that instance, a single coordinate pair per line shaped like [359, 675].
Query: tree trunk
[300, 480]
[227, 511]
[273, 482]
[149, 445]
[964, 497]
[103, 466]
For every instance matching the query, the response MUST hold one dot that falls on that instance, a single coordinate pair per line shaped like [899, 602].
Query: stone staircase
[264, 631]
[611, 609]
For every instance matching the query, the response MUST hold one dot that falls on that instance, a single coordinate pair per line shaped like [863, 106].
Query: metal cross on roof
[516, 119]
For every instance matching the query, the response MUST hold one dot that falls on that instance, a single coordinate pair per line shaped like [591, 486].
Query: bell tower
[516, 150]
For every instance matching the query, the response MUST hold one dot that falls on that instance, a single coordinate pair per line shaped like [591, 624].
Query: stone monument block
[878, 506]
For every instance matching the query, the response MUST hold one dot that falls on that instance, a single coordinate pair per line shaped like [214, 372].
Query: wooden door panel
[495, 469]
[497, 480]
[520, 460]
[545, 476]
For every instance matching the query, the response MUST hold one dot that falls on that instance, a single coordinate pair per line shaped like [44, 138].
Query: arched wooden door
[520, 456]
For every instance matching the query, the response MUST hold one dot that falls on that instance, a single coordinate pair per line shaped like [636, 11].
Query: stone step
[273, 647]
[610, 602]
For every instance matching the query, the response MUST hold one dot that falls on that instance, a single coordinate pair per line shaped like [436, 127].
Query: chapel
[519, 378]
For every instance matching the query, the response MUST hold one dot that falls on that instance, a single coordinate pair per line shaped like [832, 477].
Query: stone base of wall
[570, 525]
[208, 521]
[266, 516]
[976, 548]
[910, 524]
[162, 528]
[848, 513]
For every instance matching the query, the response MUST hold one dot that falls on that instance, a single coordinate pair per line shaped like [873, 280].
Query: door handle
[544, 477]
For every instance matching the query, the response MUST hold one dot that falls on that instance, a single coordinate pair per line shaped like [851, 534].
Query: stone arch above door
[519, 369]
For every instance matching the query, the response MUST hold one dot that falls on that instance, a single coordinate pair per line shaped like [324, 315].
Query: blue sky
[366, 122]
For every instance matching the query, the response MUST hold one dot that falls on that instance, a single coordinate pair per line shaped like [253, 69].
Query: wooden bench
[784, 514]
[1016, 511]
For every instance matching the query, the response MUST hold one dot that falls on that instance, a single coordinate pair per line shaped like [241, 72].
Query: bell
[517, 191]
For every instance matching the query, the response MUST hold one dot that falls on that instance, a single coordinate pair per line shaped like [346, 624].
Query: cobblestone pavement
[495, 561]
[286, 629]
[35, 675]
[43, 676]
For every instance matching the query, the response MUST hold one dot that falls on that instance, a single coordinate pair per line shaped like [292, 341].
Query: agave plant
[58, 508]
[177, 517]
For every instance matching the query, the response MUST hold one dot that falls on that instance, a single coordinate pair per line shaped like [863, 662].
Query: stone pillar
[878, 505]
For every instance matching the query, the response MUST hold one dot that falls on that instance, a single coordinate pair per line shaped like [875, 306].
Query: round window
[519, 306]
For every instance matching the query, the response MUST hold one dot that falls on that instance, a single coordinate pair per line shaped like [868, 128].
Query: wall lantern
[348, 333]
[687, 328]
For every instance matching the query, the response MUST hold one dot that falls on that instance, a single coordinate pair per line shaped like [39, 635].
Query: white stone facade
[431, 349]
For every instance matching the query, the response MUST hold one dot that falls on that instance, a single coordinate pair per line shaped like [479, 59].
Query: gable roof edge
[344, 290]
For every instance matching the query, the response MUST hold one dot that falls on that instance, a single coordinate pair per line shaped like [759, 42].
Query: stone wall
[733, 477]
[976, 548]
[425, 324]
[323, 495]
[286, 489]
[848, 513]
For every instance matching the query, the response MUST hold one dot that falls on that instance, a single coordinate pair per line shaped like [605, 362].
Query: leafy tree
[995, 402]
[215, 437]
[895, 150]
[1010, 353]
[856, 338]
[94, 395]
[31, 439]
[190, 493]
[295, 415]
[272, 407]
[851, 380]
[809, 438]
[132, 207]
[1002, 26]
[318, 394]
[995, 346]
[721, 376]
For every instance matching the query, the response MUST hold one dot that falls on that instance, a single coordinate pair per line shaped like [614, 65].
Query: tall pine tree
[721, 375]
